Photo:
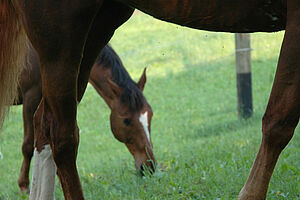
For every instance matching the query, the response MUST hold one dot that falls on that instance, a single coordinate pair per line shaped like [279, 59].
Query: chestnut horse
[109, 78]
[66, 35]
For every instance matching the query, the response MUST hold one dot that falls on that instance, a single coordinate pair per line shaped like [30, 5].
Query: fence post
[243, 74]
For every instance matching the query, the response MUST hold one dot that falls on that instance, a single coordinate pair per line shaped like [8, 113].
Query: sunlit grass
[203, 150]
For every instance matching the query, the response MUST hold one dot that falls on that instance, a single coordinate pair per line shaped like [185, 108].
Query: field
[204, 151]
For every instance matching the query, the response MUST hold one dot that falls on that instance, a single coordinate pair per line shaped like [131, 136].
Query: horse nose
[147, 167]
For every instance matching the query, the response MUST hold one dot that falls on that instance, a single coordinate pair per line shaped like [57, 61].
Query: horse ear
[117, 90]
[142, 81]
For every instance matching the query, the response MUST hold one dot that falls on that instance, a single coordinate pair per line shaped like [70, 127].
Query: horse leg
[59, 38]
[110, 16]
[283, 110]
[44, 169]
[31, 101]
[55, 123]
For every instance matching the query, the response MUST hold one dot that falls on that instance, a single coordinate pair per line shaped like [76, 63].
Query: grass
[203, 150]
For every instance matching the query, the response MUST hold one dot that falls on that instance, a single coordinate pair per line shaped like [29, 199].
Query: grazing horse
[113, 83]
[66, 36]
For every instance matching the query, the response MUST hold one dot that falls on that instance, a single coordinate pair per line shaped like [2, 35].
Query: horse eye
[127, 122]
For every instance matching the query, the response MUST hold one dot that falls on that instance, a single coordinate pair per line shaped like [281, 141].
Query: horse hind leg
[44, 169]
[59, 70]
[31, 101]
[283, 110]
[55, 124]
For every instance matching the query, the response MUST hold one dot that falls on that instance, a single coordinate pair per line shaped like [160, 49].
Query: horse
[108, 77]
[66, 37]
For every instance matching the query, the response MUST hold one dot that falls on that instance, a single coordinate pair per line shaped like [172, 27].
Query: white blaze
[43, 175]
[144, 121]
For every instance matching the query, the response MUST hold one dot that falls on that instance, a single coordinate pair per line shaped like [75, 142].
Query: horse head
[130, 119]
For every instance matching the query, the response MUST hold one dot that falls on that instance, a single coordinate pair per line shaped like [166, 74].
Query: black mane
[131, 95]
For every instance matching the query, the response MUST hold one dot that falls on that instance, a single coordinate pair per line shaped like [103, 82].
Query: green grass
[203, 150]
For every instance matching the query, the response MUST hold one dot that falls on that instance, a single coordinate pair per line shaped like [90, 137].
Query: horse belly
[218, 15]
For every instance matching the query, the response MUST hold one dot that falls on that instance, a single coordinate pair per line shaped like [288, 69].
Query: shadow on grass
[231, 125]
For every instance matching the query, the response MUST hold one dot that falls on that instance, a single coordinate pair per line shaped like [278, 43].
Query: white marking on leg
[43, 175]
[144, 121]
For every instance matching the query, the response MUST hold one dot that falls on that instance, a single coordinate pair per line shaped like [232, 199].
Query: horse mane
[131, 95]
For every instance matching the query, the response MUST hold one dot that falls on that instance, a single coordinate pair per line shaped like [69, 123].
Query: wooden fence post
[243, 74]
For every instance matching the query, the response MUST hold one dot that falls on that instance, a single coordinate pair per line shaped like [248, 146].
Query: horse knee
[278, 129]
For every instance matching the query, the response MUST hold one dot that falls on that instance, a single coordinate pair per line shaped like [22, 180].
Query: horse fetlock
[23, 185]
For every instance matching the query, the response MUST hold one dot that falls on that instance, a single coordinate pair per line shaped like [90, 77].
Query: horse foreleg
[283, 110]
[31, 101]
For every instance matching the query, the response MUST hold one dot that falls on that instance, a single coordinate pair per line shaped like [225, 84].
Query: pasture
[203, 150]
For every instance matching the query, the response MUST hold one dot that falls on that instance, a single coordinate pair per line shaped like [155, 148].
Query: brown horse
[109, 78]
[66, 37]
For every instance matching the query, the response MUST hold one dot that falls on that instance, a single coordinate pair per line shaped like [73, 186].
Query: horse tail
[13, 45]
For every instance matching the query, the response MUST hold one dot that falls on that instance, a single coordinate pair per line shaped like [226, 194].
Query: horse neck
[98, 79]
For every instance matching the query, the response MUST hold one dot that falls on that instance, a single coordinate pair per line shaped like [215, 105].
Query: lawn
[203, 150]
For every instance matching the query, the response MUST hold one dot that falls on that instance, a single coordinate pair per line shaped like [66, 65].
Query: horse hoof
[24, 190]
